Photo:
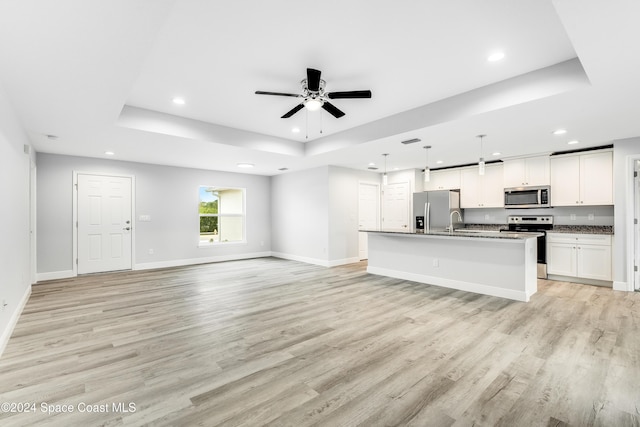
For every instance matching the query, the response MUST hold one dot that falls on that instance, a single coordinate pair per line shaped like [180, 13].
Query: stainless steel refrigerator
[433, 210]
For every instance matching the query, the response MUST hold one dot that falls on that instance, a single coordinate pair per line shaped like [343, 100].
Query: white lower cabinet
[579, 255]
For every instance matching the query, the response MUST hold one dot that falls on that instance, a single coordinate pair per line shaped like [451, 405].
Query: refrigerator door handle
[427, 211]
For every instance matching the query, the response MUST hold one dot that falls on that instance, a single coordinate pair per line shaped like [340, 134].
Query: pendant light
[481, 161]
[385, 179]
[427, 171]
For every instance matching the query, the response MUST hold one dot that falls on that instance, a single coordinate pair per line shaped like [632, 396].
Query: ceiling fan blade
[261, 92]
[350, 94]
[293, 111]
[313, 80]
[331, 109]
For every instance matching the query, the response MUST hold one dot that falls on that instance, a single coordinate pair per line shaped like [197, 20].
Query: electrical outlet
[486, 217]
[150, 251]
[590, 217]
[436, 262]
[572, 217]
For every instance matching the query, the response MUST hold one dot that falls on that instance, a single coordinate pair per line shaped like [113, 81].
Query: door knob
[127, 228]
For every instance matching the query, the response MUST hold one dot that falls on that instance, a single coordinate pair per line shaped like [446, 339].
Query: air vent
[372, 168]
[411, 141]
[283, 169]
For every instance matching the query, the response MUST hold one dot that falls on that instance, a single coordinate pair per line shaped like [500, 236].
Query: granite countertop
[578, 229]
[469, 233]
[583, 229]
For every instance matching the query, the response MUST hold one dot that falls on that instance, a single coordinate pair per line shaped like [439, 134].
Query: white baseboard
[6, 334]
[343, 261]
[54, 275]
[453, 284]
[193, 261]
[622, 286]
[316, 261]
[582, 281]
[307, 260]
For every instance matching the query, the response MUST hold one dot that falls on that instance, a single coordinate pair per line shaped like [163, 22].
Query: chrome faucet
[451, 219]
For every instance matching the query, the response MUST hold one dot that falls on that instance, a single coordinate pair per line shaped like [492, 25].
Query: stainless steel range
[534, 224]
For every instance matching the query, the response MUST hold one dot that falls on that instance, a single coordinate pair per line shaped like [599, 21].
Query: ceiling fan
[315, 97]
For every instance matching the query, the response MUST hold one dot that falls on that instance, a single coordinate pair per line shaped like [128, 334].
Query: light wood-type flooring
[281, 343]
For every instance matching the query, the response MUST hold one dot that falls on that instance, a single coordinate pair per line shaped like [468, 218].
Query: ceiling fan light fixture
[313, 104]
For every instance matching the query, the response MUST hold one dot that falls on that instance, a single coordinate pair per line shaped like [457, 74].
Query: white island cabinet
[497, 264]
[582, 179]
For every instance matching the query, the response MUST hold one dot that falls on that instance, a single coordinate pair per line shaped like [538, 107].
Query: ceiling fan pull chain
[320, 122]
[307, 124]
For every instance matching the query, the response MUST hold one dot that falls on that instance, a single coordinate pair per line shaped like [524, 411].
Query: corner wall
[15, 276]
[315, 215]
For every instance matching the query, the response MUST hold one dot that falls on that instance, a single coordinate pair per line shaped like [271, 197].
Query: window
[222, 215]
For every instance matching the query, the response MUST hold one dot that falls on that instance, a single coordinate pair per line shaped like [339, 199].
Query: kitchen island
[490, 263]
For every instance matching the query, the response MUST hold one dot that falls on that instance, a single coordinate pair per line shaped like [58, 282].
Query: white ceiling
[101, 75]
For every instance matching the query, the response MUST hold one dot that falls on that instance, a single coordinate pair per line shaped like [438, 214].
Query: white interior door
[395, 207]
[104, 223]
[368, 214]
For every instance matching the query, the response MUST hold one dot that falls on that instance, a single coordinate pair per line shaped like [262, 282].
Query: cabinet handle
[581, 201]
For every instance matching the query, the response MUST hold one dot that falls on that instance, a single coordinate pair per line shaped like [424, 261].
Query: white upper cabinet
[582, 179]
[445, 179]
[524, 172]
[482, 191]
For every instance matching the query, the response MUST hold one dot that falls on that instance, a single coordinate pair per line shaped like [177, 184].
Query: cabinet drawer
[583, 239]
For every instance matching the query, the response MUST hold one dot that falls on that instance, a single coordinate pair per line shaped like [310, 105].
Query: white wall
[168, 194]
[300, 215]
[14, 226]
[623, 151]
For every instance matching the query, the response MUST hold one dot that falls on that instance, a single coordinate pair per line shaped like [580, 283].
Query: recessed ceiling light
[497, 56]
[245, 165]
[372, 164]
[497, 153]
[178, 101]
[439, 162]
[395, 169]
[295, 130]
[573, 142]
[109, 153]
[559, 132]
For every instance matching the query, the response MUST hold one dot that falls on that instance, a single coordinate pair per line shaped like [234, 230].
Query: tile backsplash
[565, 215]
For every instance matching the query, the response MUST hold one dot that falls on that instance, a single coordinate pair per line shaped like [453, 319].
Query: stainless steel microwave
[527, 197]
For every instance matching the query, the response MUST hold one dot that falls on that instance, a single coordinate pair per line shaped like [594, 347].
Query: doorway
[368, 214]
[103, 223]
